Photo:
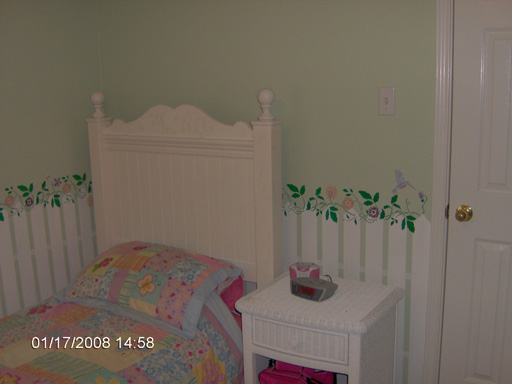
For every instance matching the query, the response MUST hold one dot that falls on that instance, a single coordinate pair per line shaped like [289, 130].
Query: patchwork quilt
[106, 328]
[70, 343]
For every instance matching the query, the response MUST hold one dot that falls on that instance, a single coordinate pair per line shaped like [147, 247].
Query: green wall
[48, 68]
[324, 59]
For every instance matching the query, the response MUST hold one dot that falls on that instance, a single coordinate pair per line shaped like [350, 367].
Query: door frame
[440, 188]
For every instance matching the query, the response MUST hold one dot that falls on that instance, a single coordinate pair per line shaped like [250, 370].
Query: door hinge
[447, 212]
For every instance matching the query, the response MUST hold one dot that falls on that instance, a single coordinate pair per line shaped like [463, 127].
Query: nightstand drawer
[303, 342]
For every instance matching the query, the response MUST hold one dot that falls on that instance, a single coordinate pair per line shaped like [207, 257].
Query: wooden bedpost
[268, 195]
[95, 124]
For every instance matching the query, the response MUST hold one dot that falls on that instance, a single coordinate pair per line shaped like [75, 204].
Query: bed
[187, 211]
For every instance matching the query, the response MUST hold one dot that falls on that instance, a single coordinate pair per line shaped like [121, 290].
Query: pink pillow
[231, 294]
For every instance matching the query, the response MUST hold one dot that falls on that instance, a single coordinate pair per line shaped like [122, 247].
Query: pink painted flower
[331, 191]
[9, 201]
[66, 188]
[348, 203]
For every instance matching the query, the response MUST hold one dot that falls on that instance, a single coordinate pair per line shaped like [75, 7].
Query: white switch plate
[387, 101]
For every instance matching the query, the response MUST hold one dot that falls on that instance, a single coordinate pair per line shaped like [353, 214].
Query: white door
[477, 325]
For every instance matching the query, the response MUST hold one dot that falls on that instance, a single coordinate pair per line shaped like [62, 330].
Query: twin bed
[185, 208]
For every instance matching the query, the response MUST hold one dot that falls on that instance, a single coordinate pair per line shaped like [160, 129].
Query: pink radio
[304, 269]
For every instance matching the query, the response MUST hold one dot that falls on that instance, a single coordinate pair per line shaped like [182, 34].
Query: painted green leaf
[327, 214]
[22, 188]
[411, 218]
[394, 199]
[77, 178]
[303, 190]
[293, 188]
[365, 195]
[410, 226]
[295, 195]
[31, 187]
[334, 216]
[368, 202]
[376, 197]
[318, 191]
[403, 224]
[333, 208]
[1, 216]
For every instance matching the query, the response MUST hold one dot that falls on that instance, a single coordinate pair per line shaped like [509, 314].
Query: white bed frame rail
[178, 177]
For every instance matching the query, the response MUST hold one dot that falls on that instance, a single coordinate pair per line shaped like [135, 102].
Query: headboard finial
[266, 98]
[97, 100]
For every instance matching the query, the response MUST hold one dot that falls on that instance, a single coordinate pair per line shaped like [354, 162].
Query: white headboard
[178, 177]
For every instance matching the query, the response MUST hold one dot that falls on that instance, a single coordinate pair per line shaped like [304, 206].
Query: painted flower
[331, 191]
[57, 182]
[213, 374]
[9, 201]
[8, 379]
[421, 195]
[348, 203]
[29, 201]
[66, 188]
[146, 285]
[373, 212]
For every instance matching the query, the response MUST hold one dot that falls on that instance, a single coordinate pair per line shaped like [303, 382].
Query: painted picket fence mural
[354, 235]
[46, 237]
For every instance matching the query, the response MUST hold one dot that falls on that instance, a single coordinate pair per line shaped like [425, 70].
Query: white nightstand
[353, 332]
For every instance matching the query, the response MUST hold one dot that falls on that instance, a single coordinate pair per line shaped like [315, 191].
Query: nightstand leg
[251, 367]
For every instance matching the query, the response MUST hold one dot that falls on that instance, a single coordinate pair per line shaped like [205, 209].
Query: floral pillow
[167, 283]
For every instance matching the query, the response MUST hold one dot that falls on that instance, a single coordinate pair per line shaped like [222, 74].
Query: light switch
[387, 101]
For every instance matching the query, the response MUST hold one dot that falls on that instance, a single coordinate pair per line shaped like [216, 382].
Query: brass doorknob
[464, 213]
